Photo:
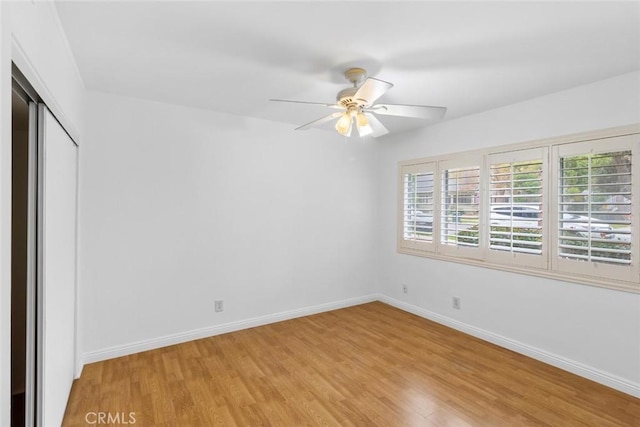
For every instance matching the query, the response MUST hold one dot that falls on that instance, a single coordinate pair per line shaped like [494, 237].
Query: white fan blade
[307, 102]
[325, 119]
[416, 111]
[377, 127]
[371, 90]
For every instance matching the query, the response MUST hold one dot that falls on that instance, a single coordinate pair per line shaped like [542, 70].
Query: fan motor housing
[345, 97]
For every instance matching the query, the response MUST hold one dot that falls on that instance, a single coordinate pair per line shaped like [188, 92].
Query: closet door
[57, 155]
[32, 261]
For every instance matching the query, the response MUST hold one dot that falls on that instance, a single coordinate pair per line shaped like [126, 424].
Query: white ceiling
[233, 56]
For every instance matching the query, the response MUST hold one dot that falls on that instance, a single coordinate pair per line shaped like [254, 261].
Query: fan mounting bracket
[355, 75]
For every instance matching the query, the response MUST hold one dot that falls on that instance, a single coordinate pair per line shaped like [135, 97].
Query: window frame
[410, 244]
[520, 258]
[550, 267]
[589, 268]
[458, 250]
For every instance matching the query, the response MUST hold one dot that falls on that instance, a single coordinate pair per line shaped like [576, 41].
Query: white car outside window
[527, 216]
[515, 216]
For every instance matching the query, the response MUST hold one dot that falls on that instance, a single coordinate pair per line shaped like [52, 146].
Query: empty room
[345, 213]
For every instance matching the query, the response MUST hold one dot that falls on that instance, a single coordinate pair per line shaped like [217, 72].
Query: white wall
[181, 207]
[30, 35]
[39, 47]
[596, 331]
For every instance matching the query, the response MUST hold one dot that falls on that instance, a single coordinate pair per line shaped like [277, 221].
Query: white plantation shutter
[517, 188]
[417, 215]
[566, 208]
[460, 183]
[599, 179]
[596, 193]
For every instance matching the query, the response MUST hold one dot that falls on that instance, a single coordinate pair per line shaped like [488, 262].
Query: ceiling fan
[357, 108]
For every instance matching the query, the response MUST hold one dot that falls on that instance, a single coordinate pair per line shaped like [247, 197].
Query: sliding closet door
[32, 259]
[57, 267]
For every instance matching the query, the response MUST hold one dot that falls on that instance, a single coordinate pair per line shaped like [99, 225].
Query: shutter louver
[460, 207]
[516, 207]
[594, 215]
[418, 206]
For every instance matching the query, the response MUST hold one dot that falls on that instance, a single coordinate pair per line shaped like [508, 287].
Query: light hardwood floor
[366, 365]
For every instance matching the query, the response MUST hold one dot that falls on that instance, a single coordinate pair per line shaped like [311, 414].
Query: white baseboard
[605, 378]
[152, 344]
[569, 365]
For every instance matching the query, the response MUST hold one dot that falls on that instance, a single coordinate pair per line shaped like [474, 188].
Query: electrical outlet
[456, 303]
[219, 305]
[405, 289]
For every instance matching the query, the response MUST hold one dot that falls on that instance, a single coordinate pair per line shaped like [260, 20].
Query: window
[460, 207]
[594, 221]
[516, 189]
[560, 208]
[417, 206]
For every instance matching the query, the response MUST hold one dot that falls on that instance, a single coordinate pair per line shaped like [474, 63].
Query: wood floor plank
[361, 366]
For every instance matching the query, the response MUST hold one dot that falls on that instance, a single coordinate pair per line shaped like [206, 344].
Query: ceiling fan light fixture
[358, 108]
[343, 125]
[364, 128]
